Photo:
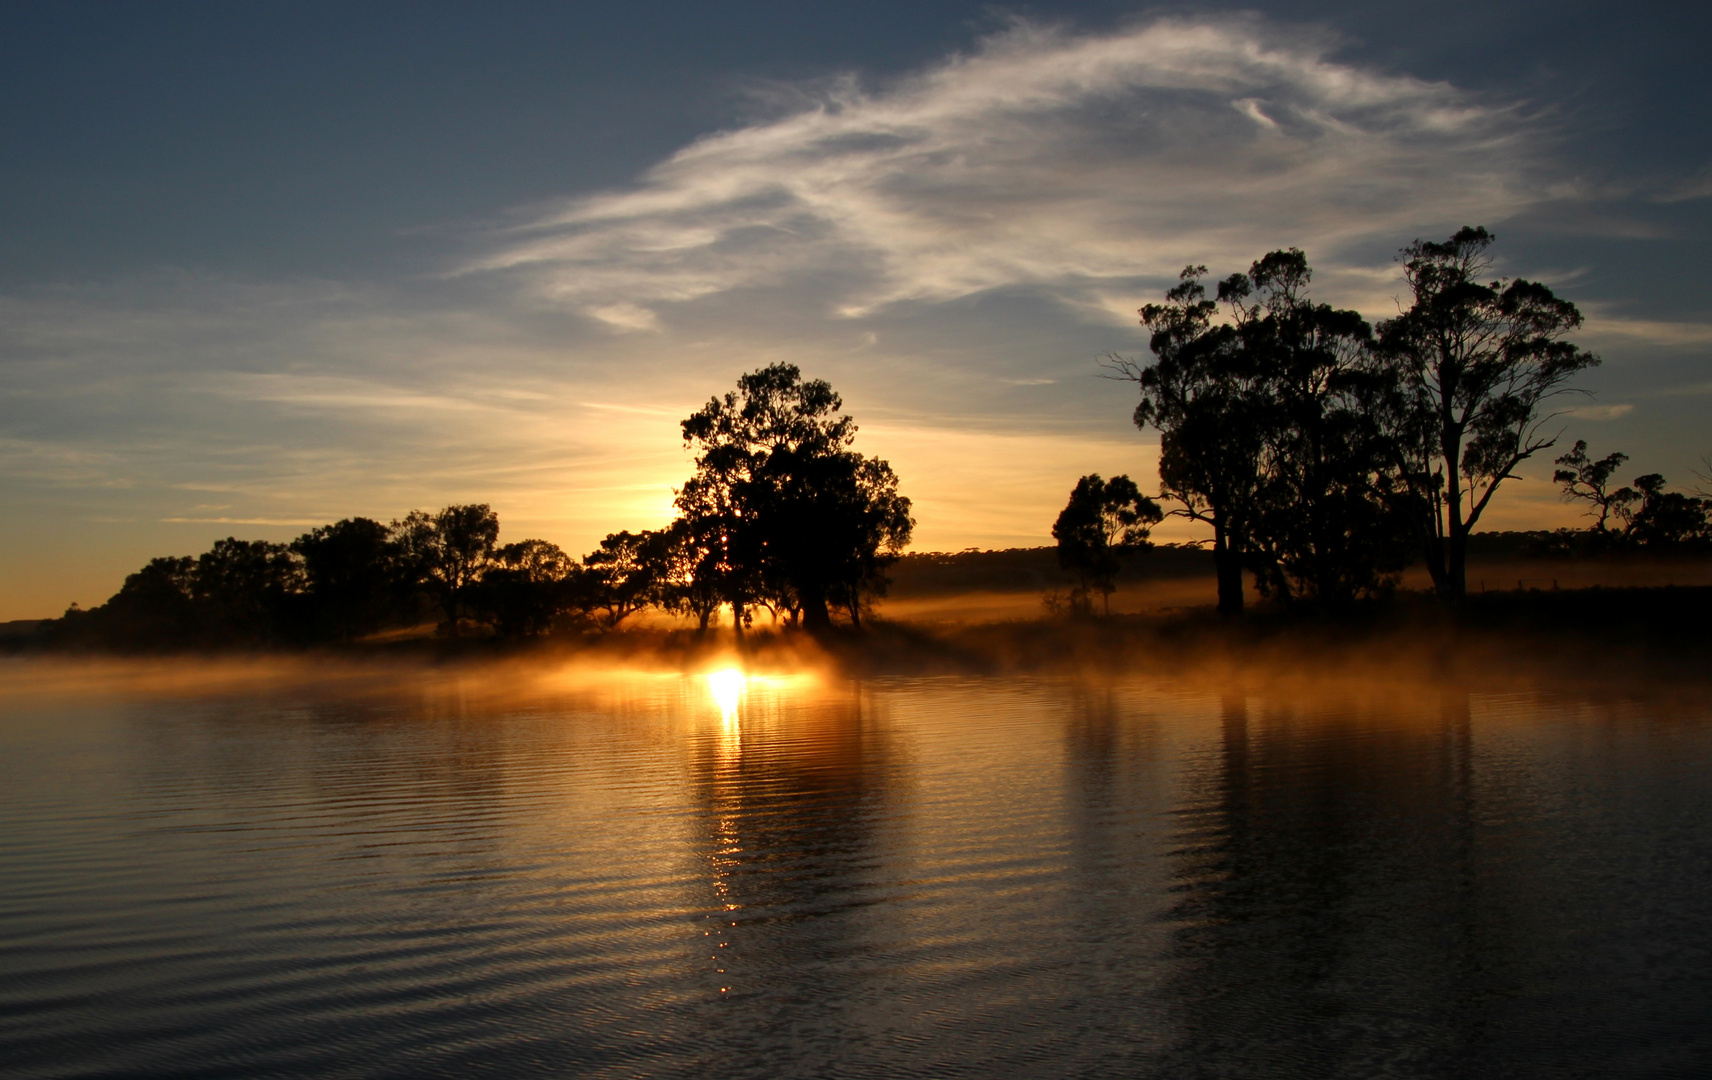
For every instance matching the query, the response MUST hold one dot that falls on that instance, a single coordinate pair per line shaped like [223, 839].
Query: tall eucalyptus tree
[1204, 395]
[1474, 361]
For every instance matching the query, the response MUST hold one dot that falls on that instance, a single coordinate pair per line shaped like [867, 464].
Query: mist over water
[667, 875]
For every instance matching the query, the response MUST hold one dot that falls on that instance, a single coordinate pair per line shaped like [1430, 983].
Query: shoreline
[1653, 638]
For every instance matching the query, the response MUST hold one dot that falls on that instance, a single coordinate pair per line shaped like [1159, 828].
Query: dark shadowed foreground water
[614, 876]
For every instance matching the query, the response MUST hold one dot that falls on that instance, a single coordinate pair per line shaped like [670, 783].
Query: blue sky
[267, 265]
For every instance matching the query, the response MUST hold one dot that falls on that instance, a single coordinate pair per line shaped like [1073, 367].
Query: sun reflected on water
[727, 685]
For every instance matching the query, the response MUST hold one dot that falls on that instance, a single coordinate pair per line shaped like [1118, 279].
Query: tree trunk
[815, 618]
[1455, 584]
[1228, 563]
[1434, 545]
[1456, 562]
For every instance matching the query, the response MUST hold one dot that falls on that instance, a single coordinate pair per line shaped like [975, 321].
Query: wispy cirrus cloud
[1041, 158]
[1599, 412]
[1605, 326]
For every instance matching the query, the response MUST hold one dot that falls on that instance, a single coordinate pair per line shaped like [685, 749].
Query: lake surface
[441, 874]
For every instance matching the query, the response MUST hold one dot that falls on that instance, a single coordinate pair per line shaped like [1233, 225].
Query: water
[440, 875]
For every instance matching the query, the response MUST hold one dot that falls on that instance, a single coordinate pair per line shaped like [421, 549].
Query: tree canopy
[1473, 362]
[1646, 515]
[785, 513]
[1266, 432]
[1103, 521]
[1316, 447]
[1202, 394]
[447, 552]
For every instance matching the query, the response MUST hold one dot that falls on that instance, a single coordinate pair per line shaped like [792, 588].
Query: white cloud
[1042, 158]
[1599, 412]
[626, 316]
[1603, 327]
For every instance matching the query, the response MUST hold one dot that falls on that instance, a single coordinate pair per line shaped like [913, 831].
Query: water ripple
[941, 877]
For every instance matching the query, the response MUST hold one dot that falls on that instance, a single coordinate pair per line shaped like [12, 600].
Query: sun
[727, 686]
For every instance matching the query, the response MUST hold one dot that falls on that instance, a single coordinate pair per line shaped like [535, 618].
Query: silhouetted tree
[1650, 516]
[1590, 481]
[155, 608]
[1103, 521]
[526, 587]
[1320, 527]
[447, 552]
[242, 588]
[727, 561]
[1205, 396]
[692, 583]
[1267, 433]
[868, 523]
[238, 593]
[625, 574]
[1473, 363]
[352, 577]
[1667, 519]
[799, 519]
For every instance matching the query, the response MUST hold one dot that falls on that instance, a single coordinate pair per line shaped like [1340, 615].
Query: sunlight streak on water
[726, 685]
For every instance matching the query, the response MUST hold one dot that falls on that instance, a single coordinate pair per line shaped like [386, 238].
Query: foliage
[1650, 516]
[1321, 529]
[242, 588]
[1267, 433]
[447, 552]
[1666, 518]
[1203, 395]
[1669, 518]
[239, 593]
[155, 608]
[692, 578]
[1314, 447]
[781, 511]
[352, 576]
[626, 573]
[1104, 520]
[526, 588]
[1472, 364]
[1590, 481]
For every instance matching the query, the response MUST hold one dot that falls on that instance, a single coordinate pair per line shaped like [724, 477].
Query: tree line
[1646, 516]
[1324, 452]
[780, 513]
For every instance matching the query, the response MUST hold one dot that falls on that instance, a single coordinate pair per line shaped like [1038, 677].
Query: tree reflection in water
[629, 875]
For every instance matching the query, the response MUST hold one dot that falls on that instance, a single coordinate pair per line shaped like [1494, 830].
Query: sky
[265, 266]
